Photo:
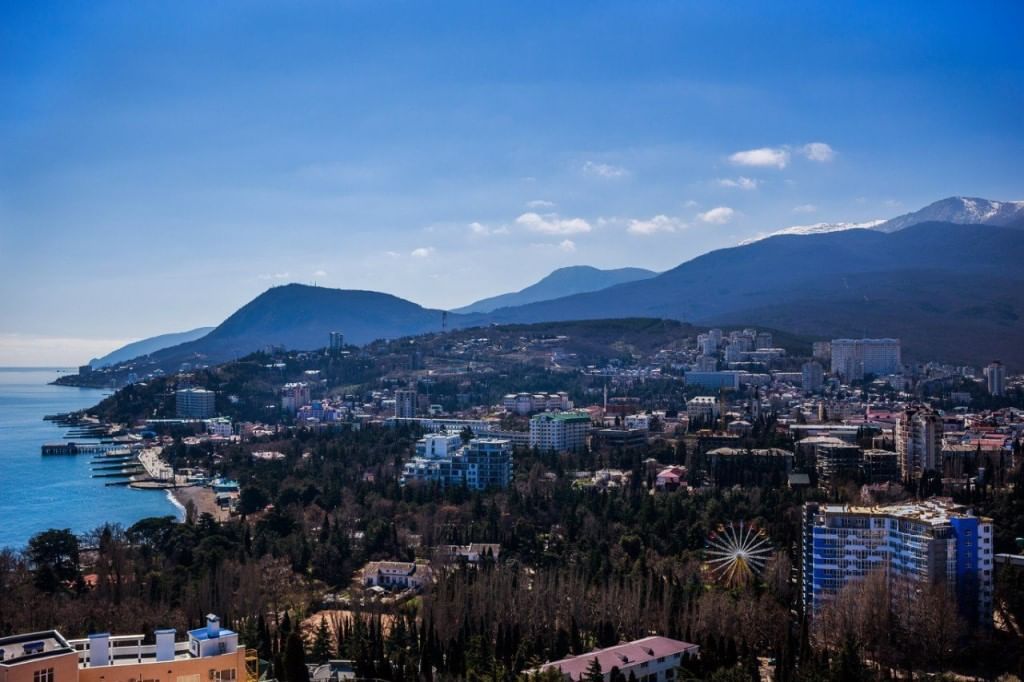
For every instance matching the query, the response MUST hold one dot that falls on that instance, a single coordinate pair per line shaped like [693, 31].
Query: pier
[73, 448]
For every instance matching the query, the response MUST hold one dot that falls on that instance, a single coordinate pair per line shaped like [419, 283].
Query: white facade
[405, 403]
[638, 421]
[995, 378]
[194, 403]
[812, 376]
[559, 431]
[294, 395]
[853, 358]
[527, 403]
[703, 408]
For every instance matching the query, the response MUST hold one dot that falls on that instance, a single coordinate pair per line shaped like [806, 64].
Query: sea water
[57, 491]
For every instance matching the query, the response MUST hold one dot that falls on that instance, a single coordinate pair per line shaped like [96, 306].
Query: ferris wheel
[737, 554]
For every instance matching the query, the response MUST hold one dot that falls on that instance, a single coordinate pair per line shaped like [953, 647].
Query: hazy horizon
[163, 165]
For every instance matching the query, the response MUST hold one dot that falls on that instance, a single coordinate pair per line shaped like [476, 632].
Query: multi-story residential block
[712, 380]
[833, 459]
[703, 408]
[706, 363]
[927, 543]
[442, 458]
[854, 358]
[528, 403]
[995, 378]
[812, 376]
[763, 340]
[195, 403]
[559, 431]
[405, 403]
[821, 351]
[918, 436]
[487, 463]
[209, 653]
[337, 342]
[651, 659]
[879, 466]
[294, 395]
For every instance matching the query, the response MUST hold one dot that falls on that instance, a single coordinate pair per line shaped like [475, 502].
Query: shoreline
[204, 499]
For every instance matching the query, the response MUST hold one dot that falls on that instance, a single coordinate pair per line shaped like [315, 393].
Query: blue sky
[161, 164]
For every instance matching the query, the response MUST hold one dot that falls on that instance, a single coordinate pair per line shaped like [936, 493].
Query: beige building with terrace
[209, 654]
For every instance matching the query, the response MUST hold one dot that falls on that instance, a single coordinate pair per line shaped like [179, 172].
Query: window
[44, 675]
[227, 675]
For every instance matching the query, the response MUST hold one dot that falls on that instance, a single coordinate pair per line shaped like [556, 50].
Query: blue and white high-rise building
[932, 542]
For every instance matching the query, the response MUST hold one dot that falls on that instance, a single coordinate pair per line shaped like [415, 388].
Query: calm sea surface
[36, 492]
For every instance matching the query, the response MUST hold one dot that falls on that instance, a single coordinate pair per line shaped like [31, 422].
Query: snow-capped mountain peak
[816, 228]
[962, 210]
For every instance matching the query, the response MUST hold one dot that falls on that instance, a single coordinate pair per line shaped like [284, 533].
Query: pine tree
[593, 672]
[322, 642]
[295, 669]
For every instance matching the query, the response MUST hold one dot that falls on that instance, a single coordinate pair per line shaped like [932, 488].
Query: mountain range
[951, 290]
[146, 346]
[960, 210]
[575, 279]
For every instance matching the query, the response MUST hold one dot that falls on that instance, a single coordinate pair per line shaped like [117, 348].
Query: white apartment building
[702, 408]
[294, 395]
[812, 376]
[528, 403]
[853, 358]
[195, 403]
[995, 378]
[638, 421]
[559, 431]
[405, 403]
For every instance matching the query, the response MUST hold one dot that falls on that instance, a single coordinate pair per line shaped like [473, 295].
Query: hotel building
[853, 358]
[559, 431]
[209, 654]
[933, 542]
[195, 403]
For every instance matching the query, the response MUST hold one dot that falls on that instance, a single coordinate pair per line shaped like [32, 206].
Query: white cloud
[423, 252]
[551, 223]
[763, 157]
[392, 254]
[818, 151]
[690, 203]
[604, 170]
[718, 215]
[540, 203]
[567, 245]
[659, 223]
[275, 275]
[320, 273]
[739, 183]
[481, 230]
[805, 208]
